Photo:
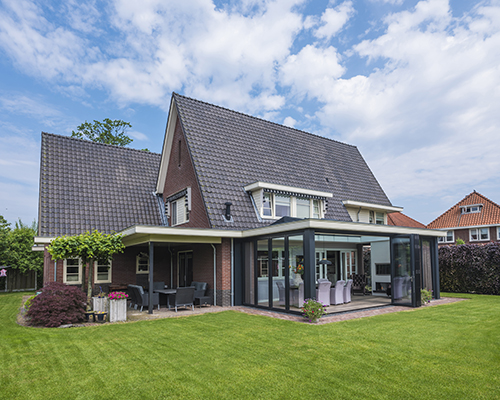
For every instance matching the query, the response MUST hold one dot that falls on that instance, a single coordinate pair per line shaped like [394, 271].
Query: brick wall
[180, 175]
[464, 235]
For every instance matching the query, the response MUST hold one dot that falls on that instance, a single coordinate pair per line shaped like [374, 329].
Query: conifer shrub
[58, 304]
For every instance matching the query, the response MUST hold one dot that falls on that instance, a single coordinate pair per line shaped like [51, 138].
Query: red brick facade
[180, 175]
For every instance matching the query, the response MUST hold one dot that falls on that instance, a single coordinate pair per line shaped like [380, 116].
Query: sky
[415, 85]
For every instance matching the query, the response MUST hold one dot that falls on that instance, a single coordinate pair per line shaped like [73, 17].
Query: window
[142, 264]
[478, 234]
[372, 217]
[180, 212]
[72, 271]
[383, 269]
[279, 205]
[303, 208]
[449, 238]
[379, 218]
[476, 208]
[498, 233]
[267, 205]
[102, 272]
[282, 205]
[376, 218]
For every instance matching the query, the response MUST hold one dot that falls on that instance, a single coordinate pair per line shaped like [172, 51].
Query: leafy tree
[89, 247]
[20, 243]
[4, 240]
[108, 131]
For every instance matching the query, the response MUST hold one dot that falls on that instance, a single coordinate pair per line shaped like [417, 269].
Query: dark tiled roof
[400, 219]
[231, 150]
[86, 186]
[453, 218]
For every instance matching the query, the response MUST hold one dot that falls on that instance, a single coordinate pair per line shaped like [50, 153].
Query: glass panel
[303, 208]
[72, 270]
[282, 205]
[315, 208]
[426, 265]
[103, 273]
[278, 272]
[401, 284]
[473, 234]
[484, 234]
[262, 273]
[249, 295]
[372, 217]
[296, 265]
[380, 218]
[267, 205]
[174, 213]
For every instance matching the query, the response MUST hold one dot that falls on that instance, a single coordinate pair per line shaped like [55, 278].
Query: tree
[89, 247]
[108, 131]
[20, 242]
[4, 240]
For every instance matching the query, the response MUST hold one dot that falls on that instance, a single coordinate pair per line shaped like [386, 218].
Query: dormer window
[178, 207]
[276, 201]
[475, 208]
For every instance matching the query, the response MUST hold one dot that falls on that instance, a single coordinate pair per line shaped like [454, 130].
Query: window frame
[498, 232]
[97, 265]
[65, 272]
[174, 217]
[137, 258]
[314, 205]
[444, 239]
[479, 234]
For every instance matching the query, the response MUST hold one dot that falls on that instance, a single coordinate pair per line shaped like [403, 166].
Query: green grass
[445, 352]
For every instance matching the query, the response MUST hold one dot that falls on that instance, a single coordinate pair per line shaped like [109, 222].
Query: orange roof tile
[399, 219]
[453, 218]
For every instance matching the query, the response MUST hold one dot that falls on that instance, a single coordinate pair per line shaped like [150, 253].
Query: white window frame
[137, 258]
[444, 239]
[293, 206]
[177, 217]
[479, 234]
[379, 218]
[96, 265]
[65, 272]
[498, 232]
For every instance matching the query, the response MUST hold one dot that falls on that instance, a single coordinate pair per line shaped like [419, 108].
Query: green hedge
[470, 268]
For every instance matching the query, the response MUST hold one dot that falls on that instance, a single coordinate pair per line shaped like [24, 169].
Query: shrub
[426, 296]
[313, 310]
[58, 304]
[27, 303]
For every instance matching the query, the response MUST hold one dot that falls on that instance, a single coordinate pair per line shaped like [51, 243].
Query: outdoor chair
[337, 293]
[184, 297]
[323, 291]
[142, 298]
[200, 291]
[347, 291]
[158, 285]
[359, 283]
[142, 280]
[132, 296]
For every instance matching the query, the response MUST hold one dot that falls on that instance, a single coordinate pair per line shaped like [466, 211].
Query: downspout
[358, 214]
[55, 271]
[215, 274]
[232, 272]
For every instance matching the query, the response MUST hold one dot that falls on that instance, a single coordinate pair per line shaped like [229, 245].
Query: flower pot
[100, 317]
[117, 310]
[100, 303]
[89, 316]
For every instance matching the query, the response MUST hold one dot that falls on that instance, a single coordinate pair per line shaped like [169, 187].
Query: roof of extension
[400, 219]
[86, 186]
[453, 218]
[231, 150]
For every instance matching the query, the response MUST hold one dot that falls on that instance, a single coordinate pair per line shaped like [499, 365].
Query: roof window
[475, 208]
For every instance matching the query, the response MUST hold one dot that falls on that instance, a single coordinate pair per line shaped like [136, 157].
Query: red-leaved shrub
[58, 304]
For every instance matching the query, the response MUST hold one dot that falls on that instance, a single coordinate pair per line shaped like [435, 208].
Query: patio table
[168, 293]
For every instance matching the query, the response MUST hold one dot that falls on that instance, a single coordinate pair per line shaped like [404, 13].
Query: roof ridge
[263, 120]
[97, 143]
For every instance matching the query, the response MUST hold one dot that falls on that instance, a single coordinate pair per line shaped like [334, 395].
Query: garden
[446, 352]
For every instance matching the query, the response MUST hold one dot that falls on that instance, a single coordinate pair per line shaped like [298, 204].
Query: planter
[100, 317]
[117, 310]
[100, 303]
[89, 316]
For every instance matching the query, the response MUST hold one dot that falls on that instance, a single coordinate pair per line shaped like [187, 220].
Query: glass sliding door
[185, 268]
[262, 273]
[405, 257]
[296, 270]
[278, 273]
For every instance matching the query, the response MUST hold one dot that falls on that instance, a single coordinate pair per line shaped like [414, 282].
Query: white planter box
[117, 310]
[100, 304]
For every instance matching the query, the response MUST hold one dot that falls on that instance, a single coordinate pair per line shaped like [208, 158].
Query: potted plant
[100, 316]
[313, 310]
[100, 302]
[117, 306]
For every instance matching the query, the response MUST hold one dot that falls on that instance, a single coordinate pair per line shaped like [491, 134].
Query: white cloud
[289, 121]
[334, 19]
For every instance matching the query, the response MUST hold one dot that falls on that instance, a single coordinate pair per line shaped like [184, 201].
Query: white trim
[498, 232]
[456, 228]
[110, 265]
[167, 147]
[65, 280]
[479, 235]
[146, 255]
[446, 237]
[285, 188]
[371, 206]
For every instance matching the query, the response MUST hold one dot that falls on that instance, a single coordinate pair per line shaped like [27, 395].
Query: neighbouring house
[235, 201]
[474, 219]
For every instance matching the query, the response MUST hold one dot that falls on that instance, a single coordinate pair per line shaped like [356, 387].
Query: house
[235, 201]
[474, 219]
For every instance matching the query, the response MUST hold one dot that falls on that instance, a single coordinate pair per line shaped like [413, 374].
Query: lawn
[445, 352]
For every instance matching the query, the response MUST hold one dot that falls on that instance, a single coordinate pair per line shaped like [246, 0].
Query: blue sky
[415, 85]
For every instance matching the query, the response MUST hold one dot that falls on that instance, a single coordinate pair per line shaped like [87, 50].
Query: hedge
[470, 268]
